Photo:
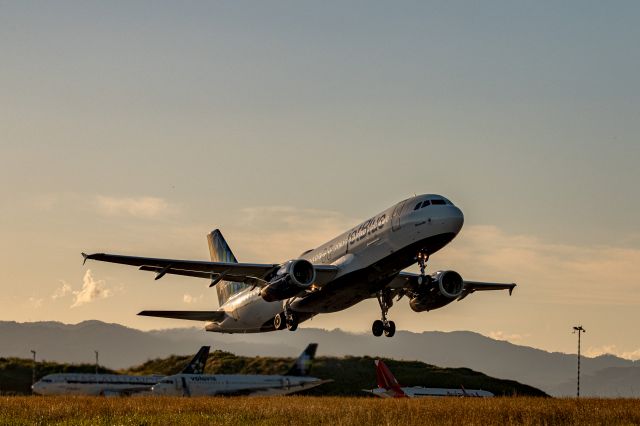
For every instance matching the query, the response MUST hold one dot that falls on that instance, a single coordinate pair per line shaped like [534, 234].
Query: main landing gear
[384, 325]
[287, 319]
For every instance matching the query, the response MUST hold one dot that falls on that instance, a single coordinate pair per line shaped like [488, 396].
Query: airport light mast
[33, 370]
[96, 362]
[580, 330]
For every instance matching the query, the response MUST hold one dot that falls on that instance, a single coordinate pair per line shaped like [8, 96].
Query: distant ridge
[121, 347]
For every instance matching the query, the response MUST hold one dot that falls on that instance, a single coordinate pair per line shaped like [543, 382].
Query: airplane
[294, 380]
[364, 262]
[388, 387]
[110, 384]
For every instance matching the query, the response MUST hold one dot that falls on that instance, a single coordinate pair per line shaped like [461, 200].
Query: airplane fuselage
[369, 256]
[421, 392]
[233, 384]
[94, 384]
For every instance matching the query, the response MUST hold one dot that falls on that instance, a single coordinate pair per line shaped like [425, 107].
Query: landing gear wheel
[377, 328]
[385, 300]
[390, 329]
[279, 322]
[292, 321]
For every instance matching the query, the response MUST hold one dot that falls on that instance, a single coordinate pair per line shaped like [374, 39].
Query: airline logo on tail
[386, 380]
[197, 364]
[221, 252]
[303, 363]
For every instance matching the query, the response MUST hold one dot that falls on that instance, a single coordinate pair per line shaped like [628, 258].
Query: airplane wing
[408, 280]
[216, 316]
[249, 273]
[473, 286]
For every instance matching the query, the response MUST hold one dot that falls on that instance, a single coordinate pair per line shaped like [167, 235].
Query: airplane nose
[457, 219]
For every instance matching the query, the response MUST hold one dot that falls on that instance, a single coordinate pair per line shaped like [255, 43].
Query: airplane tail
[386, 379]
[303, 364]
[221, 252]
[196, 365]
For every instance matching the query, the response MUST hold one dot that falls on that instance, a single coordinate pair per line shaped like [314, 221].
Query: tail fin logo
[386, 379]
[198, 362]
[303, 364]
[220, 251]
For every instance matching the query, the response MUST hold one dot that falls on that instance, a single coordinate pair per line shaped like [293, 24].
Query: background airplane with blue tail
[110, 384]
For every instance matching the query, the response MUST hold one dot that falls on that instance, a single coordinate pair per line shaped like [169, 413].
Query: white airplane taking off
[295, 380]
[365, 262]
[110, 384]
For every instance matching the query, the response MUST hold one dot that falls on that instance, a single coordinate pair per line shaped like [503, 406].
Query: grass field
[316, 410]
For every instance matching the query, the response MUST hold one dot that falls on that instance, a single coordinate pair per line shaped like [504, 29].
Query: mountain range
[121, 347]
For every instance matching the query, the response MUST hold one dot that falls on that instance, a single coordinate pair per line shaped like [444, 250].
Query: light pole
[96, 362]
[580, 330]
[33, 370]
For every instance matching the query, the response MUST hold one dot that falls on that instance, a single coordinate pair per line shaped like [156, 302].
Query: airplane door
[395, 216]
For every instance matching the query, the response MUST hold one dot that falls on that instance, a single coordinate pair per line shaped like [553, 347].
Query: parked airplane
[388, 387]
[110, 384]
[295, 380]
[364, 262]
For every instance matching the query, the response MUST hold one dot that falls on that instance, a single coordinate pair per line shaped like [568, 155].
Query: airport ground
[296, 410]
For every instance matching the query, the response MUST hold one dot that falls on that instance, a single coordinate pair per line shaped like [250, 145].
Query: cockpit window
[47, 380]
[426, 203]
[438, 202]
[417, 206]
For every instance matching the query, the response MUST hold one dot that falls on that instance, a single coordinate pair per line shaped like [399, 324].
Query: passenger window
[426, 203]
[438, 202]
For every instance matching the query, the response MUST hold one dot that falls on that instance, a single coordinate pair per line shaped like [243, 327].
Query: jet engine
[293, 277]
[441, 288]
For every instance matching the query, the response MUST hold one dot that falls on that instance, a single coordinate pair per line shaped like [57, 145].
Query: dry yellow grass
[316, 410]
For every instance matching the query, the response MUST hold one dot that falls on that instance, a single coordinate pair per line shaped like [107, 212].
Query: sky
[138, 127]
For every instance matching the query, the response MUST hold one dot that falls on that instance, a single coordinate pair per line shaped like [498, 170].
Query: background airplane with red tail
[389, 387]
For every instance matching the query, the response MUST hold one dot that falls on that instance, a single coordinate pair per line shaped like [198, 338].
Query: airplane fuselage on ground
[233, 384]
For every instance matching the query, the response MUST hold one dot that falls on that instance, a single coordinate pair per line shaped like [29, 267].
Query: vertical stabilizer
[386, 379]
[196, 365]
[303, 363]
[221, 252]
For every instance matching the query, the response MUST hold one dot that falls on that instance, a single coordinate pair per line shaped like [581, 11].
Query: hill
[121, 347]
[349, 374]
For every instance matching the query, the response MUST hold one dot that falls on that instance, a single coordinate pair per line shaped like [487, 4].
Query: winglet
[511, 288]
[84, 258]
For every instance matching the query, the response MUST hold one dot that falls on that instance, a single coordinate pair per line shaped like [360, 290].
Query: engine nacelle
[443, 288]
[293, 277]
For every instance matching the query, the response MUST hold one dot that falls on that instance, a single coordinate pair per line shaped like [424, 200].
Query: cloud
[612, 350]
[45, 202]
[547, 272]
[91, 290]
[500, 335]
[187, 298]
[279, 233]
[62, 291]
[36, 302]
[141, 207]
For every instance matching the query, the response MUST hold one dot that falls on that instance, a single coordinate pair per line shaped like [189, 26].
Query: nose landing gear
[422, 258]
[384, 325]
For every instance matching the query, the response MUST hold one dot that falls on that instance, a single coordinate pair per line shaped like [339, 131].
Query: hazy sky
[138, 127]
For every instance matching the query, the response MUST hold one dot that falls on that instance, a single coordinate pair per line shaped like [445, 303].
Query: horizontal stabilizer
[216, 316]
